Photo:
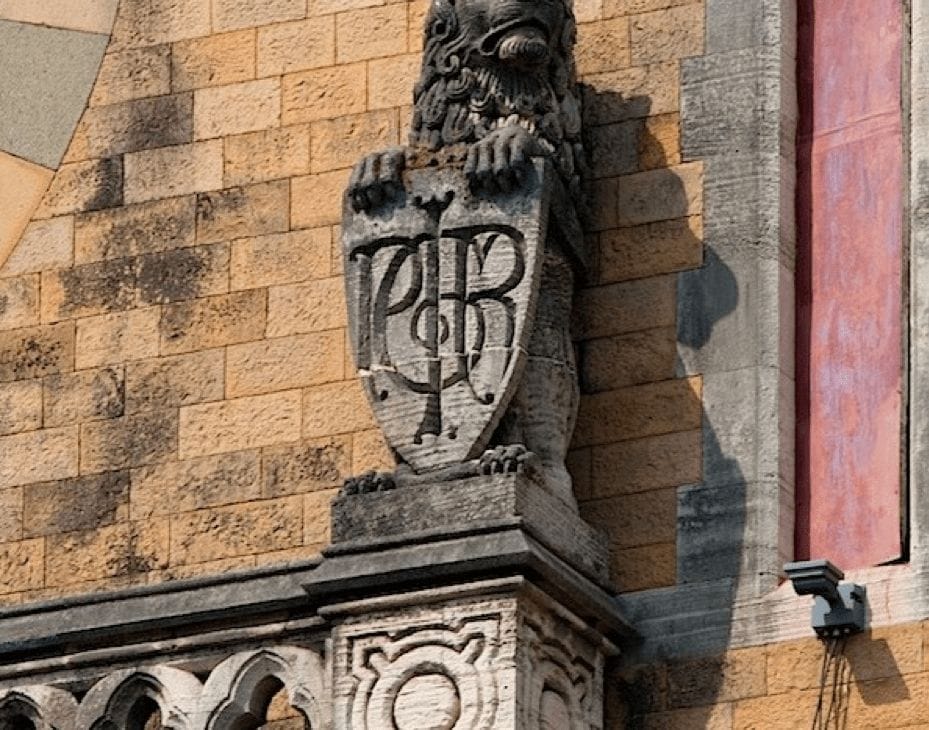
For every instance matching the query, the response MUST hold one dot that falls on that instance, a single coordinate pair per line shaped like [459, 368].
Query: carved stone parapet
[493, 654]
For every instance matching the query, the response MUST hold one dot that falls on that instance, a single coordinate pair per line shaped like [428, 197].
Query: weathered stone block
[635, 520]
[20, 406]
[335, 409]
[169, 382]
[215, 60]
[289, 47]
[238, 108]
[88, 395]
[371, 453]
[224, 532]
[89, 290]
[22, 566]
[38, 456]
[19, 302]
[267, 155]
[161, 225]
[116, 338]
[309, 466]
[626, 307]
[324, 93]
[632, 93]
[371, 33]
[85, 503]
[144, 23]
[284, 363]
[173, 171]
[603, 46]
[185, 273]
[284, 258]
[46, 244]
[651, 249]
[658, 195]
[141, 438]
[232, 14]
[243, 211]
[636, 358]
[673, 33]
[36, 351]
[133, 74]
[82, 186]
[390, 80]
[644, 568]
[202, 324]
[315, 306]
[184, 486]
[334, 143]
[317, 199]
[11, 514]
[245, 423]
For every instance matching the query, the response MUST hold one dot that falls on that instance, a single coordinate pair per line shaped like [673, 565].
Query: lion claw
[514, 459]
[497, 162]
[377, 179]
[368, 483]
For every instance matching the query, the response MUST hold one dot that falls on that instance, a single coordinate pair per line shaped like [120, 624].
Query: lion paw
[496, 163]
[377, 179]
[514, 459]
[368, 483]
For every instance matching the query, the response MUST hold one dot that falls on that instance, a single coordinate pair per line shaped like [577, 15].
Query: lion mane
[462, 96]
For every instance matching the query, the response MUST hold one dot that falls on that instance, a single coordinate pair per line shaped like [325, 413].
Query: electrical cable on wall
[835, 666]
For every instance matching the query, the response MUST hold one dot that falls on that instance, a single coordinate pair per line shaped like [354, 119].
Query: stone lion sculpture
[498, 89]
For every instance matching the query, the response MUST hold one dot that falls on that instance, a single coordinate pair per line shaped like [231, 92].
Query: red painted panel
[850, 282]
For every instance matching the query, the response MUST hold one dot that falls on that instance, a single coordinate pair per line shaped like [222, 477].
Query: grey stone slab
[46, 75]
[412, 514]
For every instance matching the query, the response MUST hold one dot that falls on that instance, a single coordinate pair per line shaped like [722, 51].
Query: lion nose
[526, 46]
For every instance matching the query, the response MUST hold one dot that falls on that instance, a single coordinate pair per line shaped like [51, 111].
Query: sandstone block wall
[176, 394]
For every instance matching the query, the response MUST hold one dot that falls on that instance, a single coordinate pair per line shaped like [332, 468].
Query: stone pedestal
[478, 604]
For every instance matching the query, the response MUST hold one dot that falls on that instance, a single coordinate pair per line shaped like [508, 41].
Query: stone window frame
[739, 116]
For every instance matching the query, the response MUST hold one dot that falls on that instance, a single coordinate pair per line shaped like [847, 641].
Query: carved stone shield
[442, 287]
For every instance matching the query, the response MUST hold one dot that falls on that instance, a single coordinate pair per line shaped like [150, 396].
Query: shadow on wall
[707, 535]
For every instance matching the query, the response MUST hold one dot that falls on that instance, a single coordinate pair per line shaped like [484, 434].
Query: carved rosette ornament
[461, 252]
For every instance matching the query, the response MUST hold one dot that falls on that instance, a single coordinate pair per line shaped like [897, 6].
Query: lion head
[492, 63]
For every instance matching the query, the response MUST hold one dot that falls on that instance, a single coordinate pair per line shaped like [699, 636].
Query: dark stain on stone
[84, 503]
[173, 276]
[108, 178]
[109, 393]
[303, 468]
[107, 286]
[146, 124]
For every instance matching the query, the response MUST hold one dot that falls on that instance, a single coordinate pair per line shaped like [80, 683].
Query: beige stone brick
[245, 423]
[116, 338]
[173, 171]
[36, 351]
[20, 406]
[22, 566]
[283, 363]
[326, 7]
[87, 395]
[46, 244]
[642, 568]
[226, 532]
[120, 443]
[625, 307]
[109, 552]
[88, 290]
[236, 109]
[603, 46]
[316, 200]
[69, 14]
[792, 710]
[81, 186]
[283, 258]
[737, 675]
[317, 522]
[85, 503]
[184, 486]
[232, 14]
[885, 652]
[338, 267]
[289, 47]
[391, 81]
[216, 60]
[133, 74]
[19, 302]
[635, 520]
[167, 382]
[417, 22]
[660, 142]
[371, 453]
[668, 34]
[898, 701]
[650, 249]
[213, 322]
[634, 358]
[309, 466]
[656, 462]
[371, 33]
[632, 93]
[38, 456]
[11, 514]
[145, 23]
[324, 93]
[660, 195]
[19, 201]
[243, 211]
[267, 155]
[639, 411]
[315, 306]
[717, 717]
[160, 225]
[336, 143]
[612, 8]
[336, 409]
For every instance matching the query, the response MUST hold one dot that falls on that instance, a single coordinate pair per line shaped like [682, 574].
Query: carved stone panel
[442, 288]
